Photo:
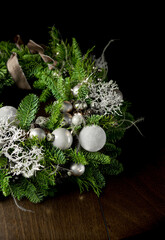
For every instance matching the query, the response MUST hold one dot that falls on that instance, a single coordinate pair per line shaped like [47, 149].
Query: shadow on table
[157, 232]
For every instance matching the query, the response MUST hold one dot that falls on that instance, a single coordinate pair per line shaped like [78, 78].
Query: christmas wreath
[83, 116]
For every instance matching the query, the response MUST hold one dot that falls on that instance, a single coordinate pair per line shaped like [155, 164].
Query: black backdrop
[128, 57]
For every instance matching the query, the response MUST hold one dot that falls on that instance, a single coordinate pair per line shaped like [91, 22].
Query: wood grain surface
[130, 207]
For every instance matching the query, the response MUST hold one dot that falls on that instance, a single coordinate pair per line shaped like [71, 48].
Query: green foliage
[93, 119]
[92, 178]
[27, 110]
[35, 188]
[53, 155]
[83, 92]
[3, 161]
[55, 115]
[77, 157]
[5, 78]
[6, 49]
[97, 158]
[114, 168]
[4, 181]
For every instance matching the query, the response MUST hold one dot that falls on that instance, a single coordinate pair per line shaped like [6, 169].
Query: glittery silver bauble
[76, 89]
[77, 119]
[37, 132]
[79, 105]
[92, 138]
[77, 169]
[66, 107]
[8, 114]
[42, 121]
[63, 138]
[67, 119]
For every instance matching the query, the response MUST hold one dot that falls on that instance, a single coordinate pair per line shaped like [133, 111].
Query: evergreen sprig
[27, 111]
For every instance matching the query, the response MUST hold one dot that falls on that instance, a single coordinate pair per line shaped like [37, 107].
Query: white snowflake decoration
[22, 161]
[106, 97]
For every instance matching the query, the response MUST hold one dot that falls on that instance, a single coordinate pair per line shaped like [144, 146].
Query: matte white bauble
[92, 138]
[63, 138]
[8, 114]
[37, 132]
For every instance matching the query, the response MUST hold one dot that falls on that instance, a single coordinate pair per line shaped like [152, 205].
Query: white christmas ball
[92, 138]
[37, 132]
[8, 114]
[63, 138]
[77, 119]
[77, 169]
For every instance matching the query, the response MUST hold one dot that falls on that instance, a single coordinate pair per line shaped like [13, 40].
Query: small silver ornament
[50, 137]
[67, 119]
[92, 138]
[76, 169]
[77, 119]
[42, 121]
[76, 89]
[8, 114]
[66, 107]
[63, 138]
[37, 132]
[78, 105]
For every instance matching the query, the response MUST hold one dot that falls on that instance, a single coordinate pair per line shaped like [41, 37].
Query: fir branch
[93, 119]
[56, 116]
[27, 110]
[114, 168]
[53, 155]
[76, 52]
[4, 182]
[3, 161]
[92, 178]
[97, 158]
[77, 157]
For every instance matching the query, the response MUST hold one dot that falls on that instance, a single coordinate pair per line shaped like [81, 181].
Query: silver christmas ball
[50, 137]
[79, 105]
[42, 121]
[77, 119]
[8, 114]
[63, 138]
[77, 169]
[66, 107]
[67, 119]
[76, 89]
[92, 138]
[37, 132]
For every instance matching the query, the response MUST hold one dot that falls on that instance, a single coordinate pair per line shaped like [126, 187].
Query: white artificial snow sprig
[22, 160]
[105, 97]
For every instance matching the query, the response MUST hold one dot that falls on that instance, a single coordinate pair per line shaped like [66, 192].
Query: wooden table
[132, 206]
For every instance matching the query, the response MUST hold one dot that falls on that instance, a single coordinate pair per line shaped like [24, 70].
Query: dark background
[129, 58]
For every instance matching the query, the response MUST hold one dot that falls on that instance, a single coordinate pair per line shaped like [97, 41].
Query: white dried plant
[22, 160]
[106, 97]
